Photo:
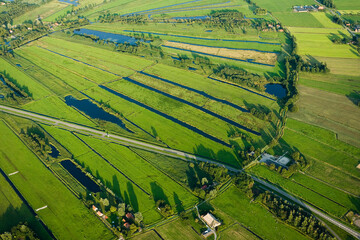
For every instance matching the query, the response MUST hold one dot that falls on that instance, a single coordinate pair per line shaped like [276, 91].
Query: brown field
[331, 111]
[268, 58]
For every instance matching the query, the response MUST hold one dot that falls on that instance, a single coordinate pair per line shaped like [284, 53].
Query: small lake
[80, 176]
[192, 69]
[276, 89]
[113, 37]
[94, 111]
[1, 96]
[73, 2]
[54, 151]
[191, 18]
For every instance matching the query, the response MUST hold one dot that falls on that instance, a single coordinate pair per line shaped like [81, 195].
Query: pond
[73, 2]
[117, 38]
[80, 176]
[94, 111]
[276, 89]
[54, 151]
[191, 18]
[192, 69]
[1, 96]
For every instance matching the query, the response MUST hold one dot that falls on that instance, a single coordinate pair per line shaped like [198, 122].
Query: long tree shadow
[354, 97]
[227, 156]
[116, 187]
[158, 193]
[133, 199]
[178, 203]
[191, 178]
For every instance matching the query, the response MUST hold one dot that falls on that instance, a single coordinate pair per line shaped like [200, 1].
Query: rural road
[165, 151]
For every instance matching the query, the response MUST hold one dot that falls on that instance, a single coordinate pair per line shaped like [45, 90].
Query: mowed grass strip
[173, 134]
[71, 79]
[75, 67]
[318, 44]
[195, 97]
[253, 215]
[65, 215]
[113, 179]
[179, 110]
[333, 176]
[224, 91]
[120, 63]
[35, 88]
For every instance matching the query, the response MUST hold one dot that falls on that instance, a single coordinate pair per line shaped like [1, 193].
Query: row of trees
[328, 3]
[240, 76]
[37, 140]
[12, 91]
[125, 19]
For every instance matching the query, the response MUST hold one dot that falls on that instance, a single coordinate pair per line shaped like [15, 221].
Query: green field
[347, 4]
[45, 191]
[13, 211]
[44, 11]
[323, 196]
[259, 220]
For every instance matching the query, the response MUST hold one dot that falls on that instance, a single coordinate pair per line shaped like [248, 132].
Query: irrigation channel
[194, 106]
[94, 111]
[167, 152]
[173, 119]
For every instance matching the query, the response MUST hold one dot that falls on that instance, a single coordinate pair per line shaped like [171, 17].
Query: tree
[121, 209]
[243, 182]
[138, 217]
[113, 209]
[204, 181]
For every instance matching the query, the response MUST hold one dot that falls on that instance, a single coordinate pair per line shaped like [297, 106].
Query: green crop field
[239, 207]
[44, 11]
[237, 232]
[347, 4]
[45, 191]
[13, 210]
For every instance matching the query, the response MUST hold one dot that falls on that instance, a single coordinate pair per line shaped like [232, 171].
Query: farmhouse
[210, 220]
[358, 166]
[305, 8]
[357, 28]
[94, 208]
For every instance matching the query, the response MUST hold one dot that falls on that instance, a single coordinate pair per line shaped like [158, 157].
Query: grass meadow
[238, 206]
[13, 211]
[347, 4]
[44, 11]
[45, 190]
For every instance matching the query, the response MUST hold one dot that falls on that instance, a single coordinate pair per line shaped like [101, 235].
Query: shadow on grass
[354, 97]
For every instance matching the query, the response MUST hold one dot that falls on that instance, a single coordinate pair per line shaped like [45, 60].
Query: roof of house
[127, 225]
[129, 215]
[94, 208]
[211, 220]
[99, 213]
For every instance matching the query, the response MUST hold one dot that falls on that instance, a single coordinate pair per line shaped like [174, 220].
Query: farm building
[357, 28]
[305, 8]
[207, 233]
[210, 220]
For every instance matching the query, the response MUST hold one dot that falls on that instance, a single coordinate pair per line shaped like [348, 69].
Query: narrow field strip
[178, 4]
[194, 106]
[112, 165]
[196, 91]
[191, 9]
[186, 125]
[201, 38]
[218, 56]
[235, 85]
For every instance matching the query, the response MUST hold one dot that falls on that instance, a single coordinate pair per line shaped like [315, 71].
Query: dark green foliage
[239, 76]
[37, 140]
[244, 183]
[128, 19]
[295, 216]
[21, 231]
[164, 208]
[328, 3]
